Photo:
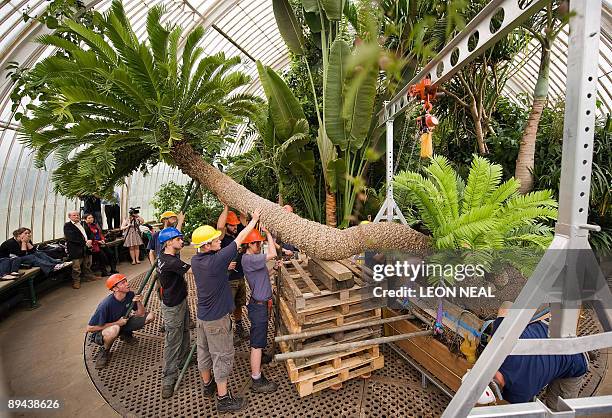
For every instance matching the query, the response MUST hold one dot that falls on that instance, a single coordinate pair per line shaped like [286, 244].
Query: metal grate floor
[131, 383]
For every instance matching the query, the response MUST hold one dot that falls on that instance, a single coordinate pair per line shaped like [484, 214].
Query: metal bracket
[493, 22]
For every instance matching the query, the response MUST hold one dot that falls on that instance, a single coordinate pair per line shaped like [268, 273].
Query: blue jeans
[9, 265]
[42, 260]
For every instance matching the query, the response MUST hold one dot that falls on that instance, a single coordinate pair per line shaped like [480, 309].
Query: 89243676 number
[12, 404]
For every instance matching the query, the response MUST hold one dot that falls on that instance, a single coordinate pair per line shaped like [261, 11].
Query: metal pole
[571, 229]
[187, 194]
[309, 334]
[389, 207]
[350, 346]
[140, 288]
[184, 369]
[151, 287]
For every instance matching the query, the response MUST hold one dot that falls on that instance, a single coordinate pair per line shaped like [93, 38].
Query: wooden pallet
[329, 317]
[305, 294]
[328, 370]
[334, 275]
[331, 339]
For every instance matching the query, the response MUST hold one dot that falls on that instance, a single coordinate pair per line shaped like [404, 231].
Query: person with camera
[79, 240]
[131, 233]
[101, 254]
[19, 250]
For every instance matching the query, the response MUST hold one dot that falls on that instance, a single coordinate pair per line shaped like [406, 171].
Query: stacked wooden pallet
[315, 295]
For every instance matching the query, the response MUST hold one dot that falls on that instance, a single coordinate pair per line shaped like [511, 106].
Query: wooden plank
[311, 285]
[286, 279]
[333, 275]
[429, 353]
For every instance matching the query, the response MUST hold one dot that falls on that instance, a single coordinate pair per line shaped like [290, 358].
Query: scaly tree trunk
[526, 155]
[330, 208]
[313, 238]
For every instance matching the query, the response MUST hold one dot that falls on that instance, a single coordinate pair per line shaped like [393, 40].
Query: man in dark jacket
[78, 242]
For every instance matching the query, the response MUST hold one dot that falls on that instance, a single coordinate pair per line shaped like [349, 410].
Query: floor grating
[131, 383]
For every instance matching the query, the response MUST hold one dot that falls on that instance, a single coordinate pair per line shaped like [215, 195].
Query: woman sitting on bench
[20, 247]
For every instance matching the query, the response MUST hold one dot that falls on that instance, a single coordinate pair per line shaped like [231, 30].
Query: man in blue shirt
[523, 377]
[109, 321]
[215, 304]
[168, 219]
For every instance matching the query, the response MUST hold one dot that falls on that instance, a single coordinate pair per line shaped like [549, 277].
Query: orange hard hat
[254, 236]
[114, 279]
[232, 219]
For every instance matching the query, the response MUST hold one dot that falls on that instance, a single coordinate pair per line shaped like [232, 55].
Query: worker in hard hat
[520, 378]
[260, 303]
[168, 219]
[175, 312]
[215, 304]
[230, 226]
[109, 321]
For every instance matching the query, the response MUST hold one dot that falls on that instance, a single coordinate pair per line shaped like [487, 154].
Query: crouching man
[108, 322]
[215, 304]
[171, 273]
[522, 377]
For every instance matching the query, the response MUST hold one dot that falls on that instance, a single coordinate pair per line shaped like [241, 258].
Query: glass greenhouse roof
[244, 28]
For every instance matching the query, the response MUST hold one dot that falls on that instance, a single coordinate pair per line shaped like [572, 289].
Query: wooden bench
[28, 276]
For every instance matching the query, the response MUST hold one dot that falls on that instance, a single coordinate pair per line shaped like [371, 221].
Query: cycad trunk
[526, 155]
[311, 237]
[330, 208]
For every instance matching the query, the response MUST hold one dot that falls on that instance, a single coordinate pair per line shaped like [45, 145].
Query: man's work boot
[229, 403]
[263, 385]
[167, 391]
[210, 389]
[91, 278]
[102, 358]
[76, 284]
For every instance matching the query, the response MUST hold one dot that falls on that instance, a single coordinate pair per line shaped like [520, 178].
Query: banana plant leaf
[288, 26]
[358, 105]
[333, 8]
[336, 173]
[310, 5]
[333, 100]
[285, 109]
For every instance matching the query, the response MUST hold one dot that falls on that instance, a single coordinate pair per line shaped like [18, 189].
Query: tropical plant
[349, 77]
[203, 207]
[481, 221]
[117, 104]
[285, 159]
[544, 26]
[482, 213]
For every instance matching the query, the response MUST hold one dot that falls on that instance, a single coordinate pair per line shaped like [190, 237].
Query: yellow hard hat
[167, 214]
[364, 222]
[203, 235]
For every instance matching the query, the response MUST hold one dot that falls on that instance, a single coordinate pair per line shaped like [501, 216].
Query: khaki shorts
[216, 347]
[238, 292]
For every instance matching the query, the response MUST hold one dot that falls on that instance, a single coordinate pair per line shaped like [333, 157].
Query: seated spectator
[20, 247]
[101, 254]
[9, 268]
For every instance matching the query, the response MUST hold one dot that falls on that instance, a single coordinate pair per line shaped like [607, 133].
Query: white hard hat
[487, 396]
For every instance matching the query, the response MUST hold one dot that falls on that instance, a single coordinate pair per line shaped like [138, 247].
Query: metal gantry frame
[560, 274]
